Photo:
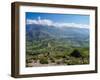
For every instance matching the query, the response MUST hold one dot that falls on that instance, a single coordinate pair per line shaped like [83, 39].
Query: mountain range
[40, 32]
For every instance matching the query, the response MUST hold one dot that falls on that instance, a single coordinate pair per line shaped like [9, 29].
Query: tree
[75, 53]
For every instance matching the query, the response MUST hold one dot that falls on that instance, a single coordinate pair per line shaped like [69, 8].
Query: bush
[28, 60]
[58, 62]
[76, 61]
[44, 60]
[59, 56]
[35, 57]
[75, 53]
[85, 61]
[52, 60]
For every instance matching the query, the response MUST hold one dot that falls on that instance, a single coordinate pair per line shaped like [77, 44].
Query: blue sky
[58, 18]
[81, 19]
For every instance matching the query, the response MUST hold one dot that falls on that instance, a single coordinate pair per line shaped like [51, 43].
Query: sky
[73, 20]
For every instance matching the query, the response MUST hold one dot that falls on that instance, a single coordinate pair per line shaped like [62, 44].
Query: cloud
[49, 22]
[40, 21]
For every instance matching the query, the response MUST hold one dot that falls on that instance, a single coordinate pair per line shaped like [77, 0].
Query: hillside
[53, 43]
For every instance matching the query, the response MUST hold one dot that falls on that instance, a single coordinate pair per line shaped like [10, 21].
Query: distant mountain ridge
[35, 32]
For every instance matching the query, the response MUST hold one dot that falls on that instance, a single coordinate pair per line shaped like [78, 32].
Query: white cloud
[40, 21]
[49, 22]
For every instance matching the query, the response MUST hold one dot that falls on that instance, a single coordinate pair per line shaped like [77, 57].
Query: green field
[48, 52]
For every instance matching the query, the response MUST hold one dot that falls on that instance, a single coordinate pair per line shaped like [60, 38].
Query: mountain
[40, 32]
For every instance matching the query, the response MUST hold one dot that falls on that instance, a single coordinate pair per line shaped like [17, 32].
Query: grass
[58, 53]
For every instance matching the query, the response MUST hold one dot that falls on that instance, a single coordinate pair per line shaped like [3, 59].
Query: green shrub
[52, 60]
[58, 62]
[44, 60]
[85, 61]
[59, 56]
[35, 57]
[28, 60]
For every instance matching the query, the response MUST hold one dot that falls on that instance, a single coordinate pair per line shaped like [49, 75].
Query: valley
[51, 46]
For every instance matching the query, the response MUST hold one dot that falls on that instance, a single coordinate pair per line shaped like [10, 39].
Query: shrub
[35, 57]
[52, 60]
[75, 53]
[85, 61]
[58, 62]
[59, 56]
[44, 60]
[28, 60]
